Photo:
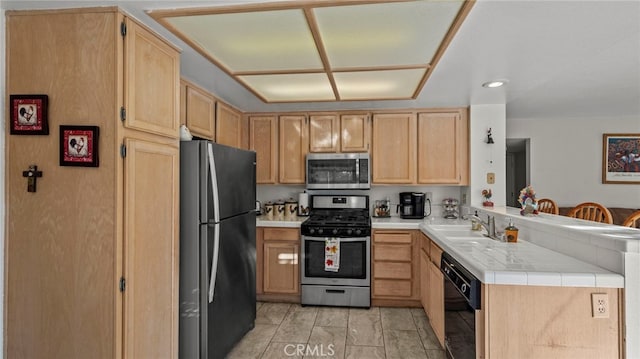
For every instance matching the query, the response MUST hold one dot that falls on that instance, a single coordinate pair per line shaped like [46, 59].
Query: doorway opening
[517, 171]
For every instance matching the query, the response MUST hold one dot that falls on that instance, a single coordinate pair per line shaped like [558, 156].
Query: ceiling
[561, 59]
[305, 52]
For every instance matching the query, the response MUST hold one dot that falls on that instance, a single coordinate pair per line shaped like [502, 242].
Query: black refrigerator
[217, 248]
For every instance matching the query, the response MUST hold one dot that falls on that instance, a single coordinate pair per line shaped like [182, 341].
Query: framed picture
[621, 158]
[79, 146]
[29, 114]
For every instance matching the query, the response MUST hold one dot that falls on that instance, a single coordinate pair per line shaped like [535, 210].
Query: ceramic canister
[290, 209]
[268, 210]
[278, 211]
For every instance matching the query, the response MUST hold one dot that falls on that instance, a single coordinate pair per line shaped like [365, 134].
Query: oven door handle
[323, 238]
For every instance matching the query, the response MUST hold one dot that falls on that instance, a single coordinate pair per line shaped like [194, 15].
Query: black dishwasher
[461, 300]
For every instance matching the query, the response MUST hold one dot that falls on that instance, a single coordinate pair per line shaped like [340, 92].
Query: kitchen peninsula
[537, 293]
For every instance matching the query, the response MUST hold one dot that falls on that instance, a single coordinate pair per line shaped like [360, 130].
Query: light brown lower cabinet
[281, 271]
[518, 321]
[395, 267]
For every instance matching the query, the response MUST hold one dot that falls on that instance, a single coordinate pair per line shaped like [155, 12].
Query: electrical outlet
[491, 178]
[429, 196]
[600, 305]
[464, 199]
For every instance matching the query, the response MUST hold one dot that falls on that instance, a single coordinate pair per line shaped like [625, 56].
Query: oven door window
[352, 259]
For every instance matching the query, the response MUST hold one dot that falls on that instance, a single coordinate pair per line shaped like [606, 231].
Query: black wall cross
[32, 174]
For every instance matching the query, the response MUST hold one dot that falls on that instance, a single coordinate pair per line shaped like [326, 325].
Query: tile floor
[291, 331]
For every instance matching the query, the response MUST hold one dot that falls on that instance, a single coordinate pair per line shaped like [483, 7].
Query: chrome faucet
[489, 226]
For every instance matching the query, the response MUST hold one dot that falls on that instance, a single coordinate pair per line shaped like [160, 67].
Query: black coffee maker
[411, 205]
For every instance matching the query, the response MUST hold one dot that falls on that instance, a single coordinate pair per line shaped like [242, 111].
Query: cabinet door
[436, 302]
[228, 126]
[324, 133]
[263, 138]
[150, 250]
[293, 148]
[394, 149]
[152, 82]
[355, 133]
[200, 113]
[439, 157]
[281, 271]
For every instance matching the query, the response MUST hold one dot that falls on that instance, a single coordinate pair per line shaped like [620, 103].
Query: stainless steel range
[336, 252]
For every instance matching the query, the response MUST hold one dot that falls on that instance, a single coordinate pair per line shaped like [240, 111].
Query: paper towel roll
[303, 204]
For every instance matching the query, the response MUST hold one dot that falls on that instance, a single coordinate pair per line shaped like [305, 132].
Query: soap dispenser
[511, 232]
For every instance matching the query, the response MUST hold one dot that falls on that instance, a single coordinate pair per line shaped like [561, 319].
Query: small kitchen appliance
[450, 208]
[412, 205]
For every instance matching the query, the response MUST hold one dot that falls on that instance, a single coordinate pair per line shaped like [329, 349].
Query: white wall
[487, 158]
[566, 159]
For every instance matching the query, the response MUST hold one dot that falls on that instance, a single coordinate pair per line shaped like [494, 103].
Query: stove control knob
[312, 231]
[320, 231]
[358, 232]
[335, 231]
[349, 231]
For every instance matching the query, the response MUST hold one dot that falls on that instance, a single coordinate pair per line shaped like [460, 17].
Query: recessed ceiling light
[493, 84]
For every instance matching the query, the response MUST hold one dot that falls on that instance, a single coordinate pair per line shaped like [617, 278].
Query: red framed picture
[29, 114]
[79, 146]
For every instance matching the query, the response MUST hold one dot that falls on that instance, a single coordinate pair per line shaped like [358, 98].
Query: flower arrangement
[527, 200]
[486, 193]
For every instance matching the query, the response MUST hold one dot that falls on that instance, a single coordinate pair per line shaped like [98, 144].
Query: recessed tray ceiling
[320, 51]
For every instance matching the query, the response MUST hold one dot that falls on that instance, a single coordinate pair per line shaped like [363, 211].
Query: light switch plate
[491, 178]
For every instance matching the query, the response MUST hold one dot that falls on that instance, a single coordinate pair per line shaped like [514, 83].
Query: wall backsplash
[267, 193]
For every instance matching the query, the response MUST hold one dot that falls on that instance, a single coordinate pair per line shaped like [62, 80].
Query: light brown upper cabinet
[443, 147]
[294, 145]
[263, 138]
[355, 132]
[199, 111]
[345, 133]
[394, 148]
[228, 125]
[324, 132]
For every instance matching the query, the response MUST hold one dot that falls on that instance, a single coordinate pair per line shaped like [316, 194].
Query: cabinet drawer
[392, 237]
[391, 252]
[392, 270]
[436, 253]
[281, 234]
[392, 288]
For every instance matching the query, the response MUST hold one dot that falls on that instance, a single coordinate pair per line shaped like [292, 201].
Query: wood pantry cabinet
[345, 133]
[395, 266]
[281, 253]
[88, 232]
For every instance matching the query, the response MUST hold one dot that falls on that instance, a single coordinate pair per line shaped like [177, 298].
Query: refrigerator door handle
[214, 261]
[214, 184]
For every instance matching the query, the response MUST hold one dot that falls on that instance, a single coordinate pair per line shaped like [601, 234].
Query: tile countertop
[521, 263]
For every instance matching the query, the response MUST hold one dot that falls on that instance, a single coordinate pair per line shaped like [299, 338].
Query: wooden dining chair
[633, 220]
[547, 205]
[591, 211]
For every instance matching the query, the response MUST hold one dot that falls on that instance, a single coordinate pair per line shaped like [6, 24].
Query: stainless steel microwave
[338, 171]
